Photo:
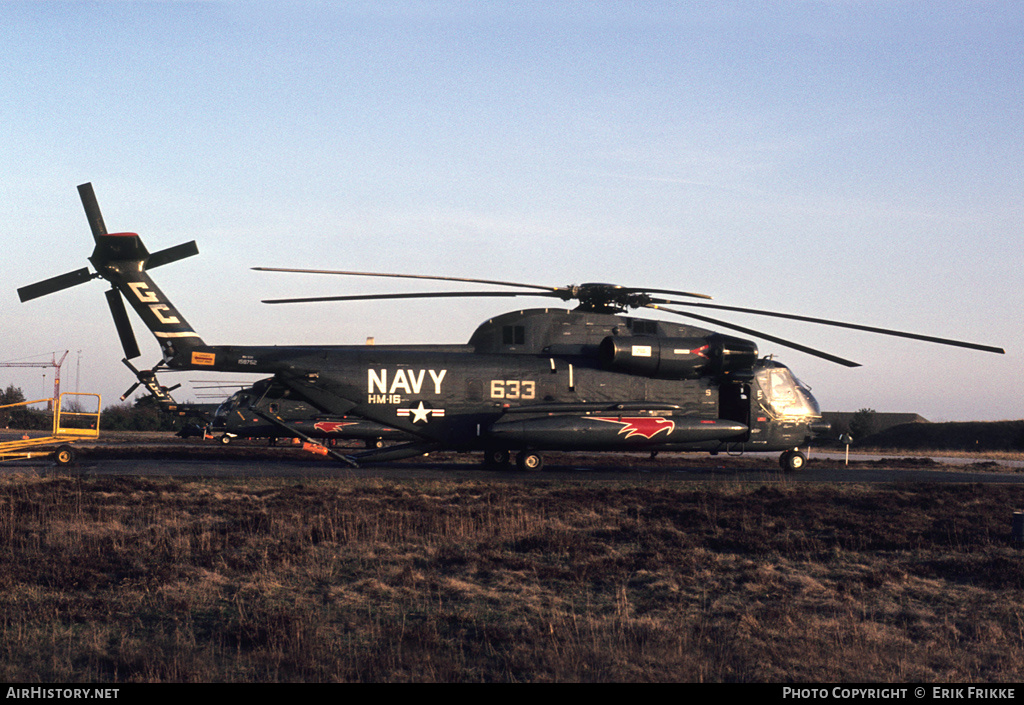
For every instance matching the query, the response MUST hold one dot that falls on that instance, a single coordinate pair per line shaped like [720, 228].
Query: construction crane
[54, 362]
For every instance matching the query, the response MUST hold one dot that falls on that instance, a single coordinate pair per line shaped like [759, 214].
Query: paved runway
[256, 460]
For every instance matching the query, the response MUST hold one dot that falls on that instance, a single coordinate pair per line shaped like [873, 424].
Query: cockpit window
[233, 402]
[784, 395]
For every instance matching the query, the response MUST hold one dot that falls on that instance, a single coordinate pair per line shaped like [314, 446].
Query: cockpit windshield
[783, 395]
[231, 403]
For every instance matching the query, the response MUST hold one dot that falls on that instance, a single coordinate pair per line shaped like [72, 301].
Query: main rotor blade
[564, 292]
[412, 295]
[407, 276]
[763, 336]
[842, 324]
[48, 286]
[92, 210]
[667, 291]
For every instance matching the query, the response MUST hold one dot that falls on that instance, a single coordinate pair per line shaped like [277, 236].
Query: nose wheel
[792, 461]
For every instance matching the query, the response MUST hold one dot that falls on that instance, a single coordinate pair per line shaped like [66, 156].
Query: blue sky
[855, 159]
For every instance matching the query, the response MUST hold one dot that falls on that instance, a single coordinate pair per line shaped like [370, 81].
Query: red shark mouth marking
[646, 426]
[332, 426]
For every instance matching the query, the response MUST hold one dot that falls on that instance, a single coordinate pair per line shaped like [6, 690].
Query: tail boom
[174, 334]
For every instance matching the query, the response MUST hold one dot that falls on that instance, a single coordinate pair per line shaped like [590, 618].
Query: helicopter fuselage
[549, 379]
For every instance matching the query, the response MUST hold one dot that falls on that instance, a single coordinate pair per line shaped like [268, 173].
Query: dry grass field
[118, 579]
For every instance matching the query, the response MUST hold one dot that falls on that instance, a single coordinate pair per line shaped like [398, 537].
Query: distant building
[840, 420]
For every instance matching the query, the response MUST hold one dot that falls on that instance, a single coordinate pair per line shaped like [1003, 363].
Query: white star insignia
[420, 414]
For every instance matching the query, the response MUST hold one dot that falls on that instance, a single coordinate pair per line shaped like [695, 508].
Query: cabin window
[640, 326]
[513, 335]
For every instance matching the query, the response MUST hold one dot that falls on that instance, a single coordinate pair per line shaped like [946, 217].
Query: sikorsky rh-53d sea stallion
[590, 378]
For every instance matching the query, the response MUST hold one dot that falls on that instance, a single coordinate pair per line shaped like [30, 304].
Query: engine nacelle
[678, 358]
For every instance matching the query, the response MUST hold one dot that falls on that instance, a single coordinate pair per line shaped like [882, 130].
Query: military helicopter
[267, 410]
[161, 396]
[591, 378]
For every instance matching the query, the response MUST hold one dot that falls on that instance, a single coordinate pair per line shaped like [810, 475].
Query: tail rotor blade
[92, 210]
[48, 286]
[144, 377]
[172, 254]
[123, 325]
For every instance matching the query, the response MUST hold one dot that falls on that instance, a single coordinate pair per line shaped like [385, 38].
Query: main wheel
[65, 455]
[530, 461]
[496, 458]
[792, 461]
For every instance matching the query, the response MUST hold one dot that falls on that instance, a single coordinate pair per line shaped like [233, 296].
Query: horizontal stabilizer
[48, 286]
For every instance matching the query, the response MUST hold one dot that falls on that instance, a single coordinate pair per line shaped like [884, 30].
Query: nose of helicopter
[820, 428]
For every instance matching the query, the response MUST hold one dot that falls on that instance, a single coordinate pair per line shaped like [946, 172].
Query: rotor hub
[599, 297]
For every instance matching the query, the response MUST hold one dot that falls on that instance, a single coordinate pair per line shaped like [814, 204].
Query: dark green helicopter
[160, 396]
[588, 379]
[261, 410]
[268, 410]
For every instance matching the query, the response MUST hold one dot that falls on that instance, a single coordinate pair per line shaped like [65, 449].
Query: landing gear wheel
[792, 461]
[65, 455]
[496, 458]
[529, 461]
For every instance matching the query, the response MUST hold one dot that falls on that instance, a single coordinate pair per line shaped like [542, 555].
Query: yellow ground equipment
[70, 424]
